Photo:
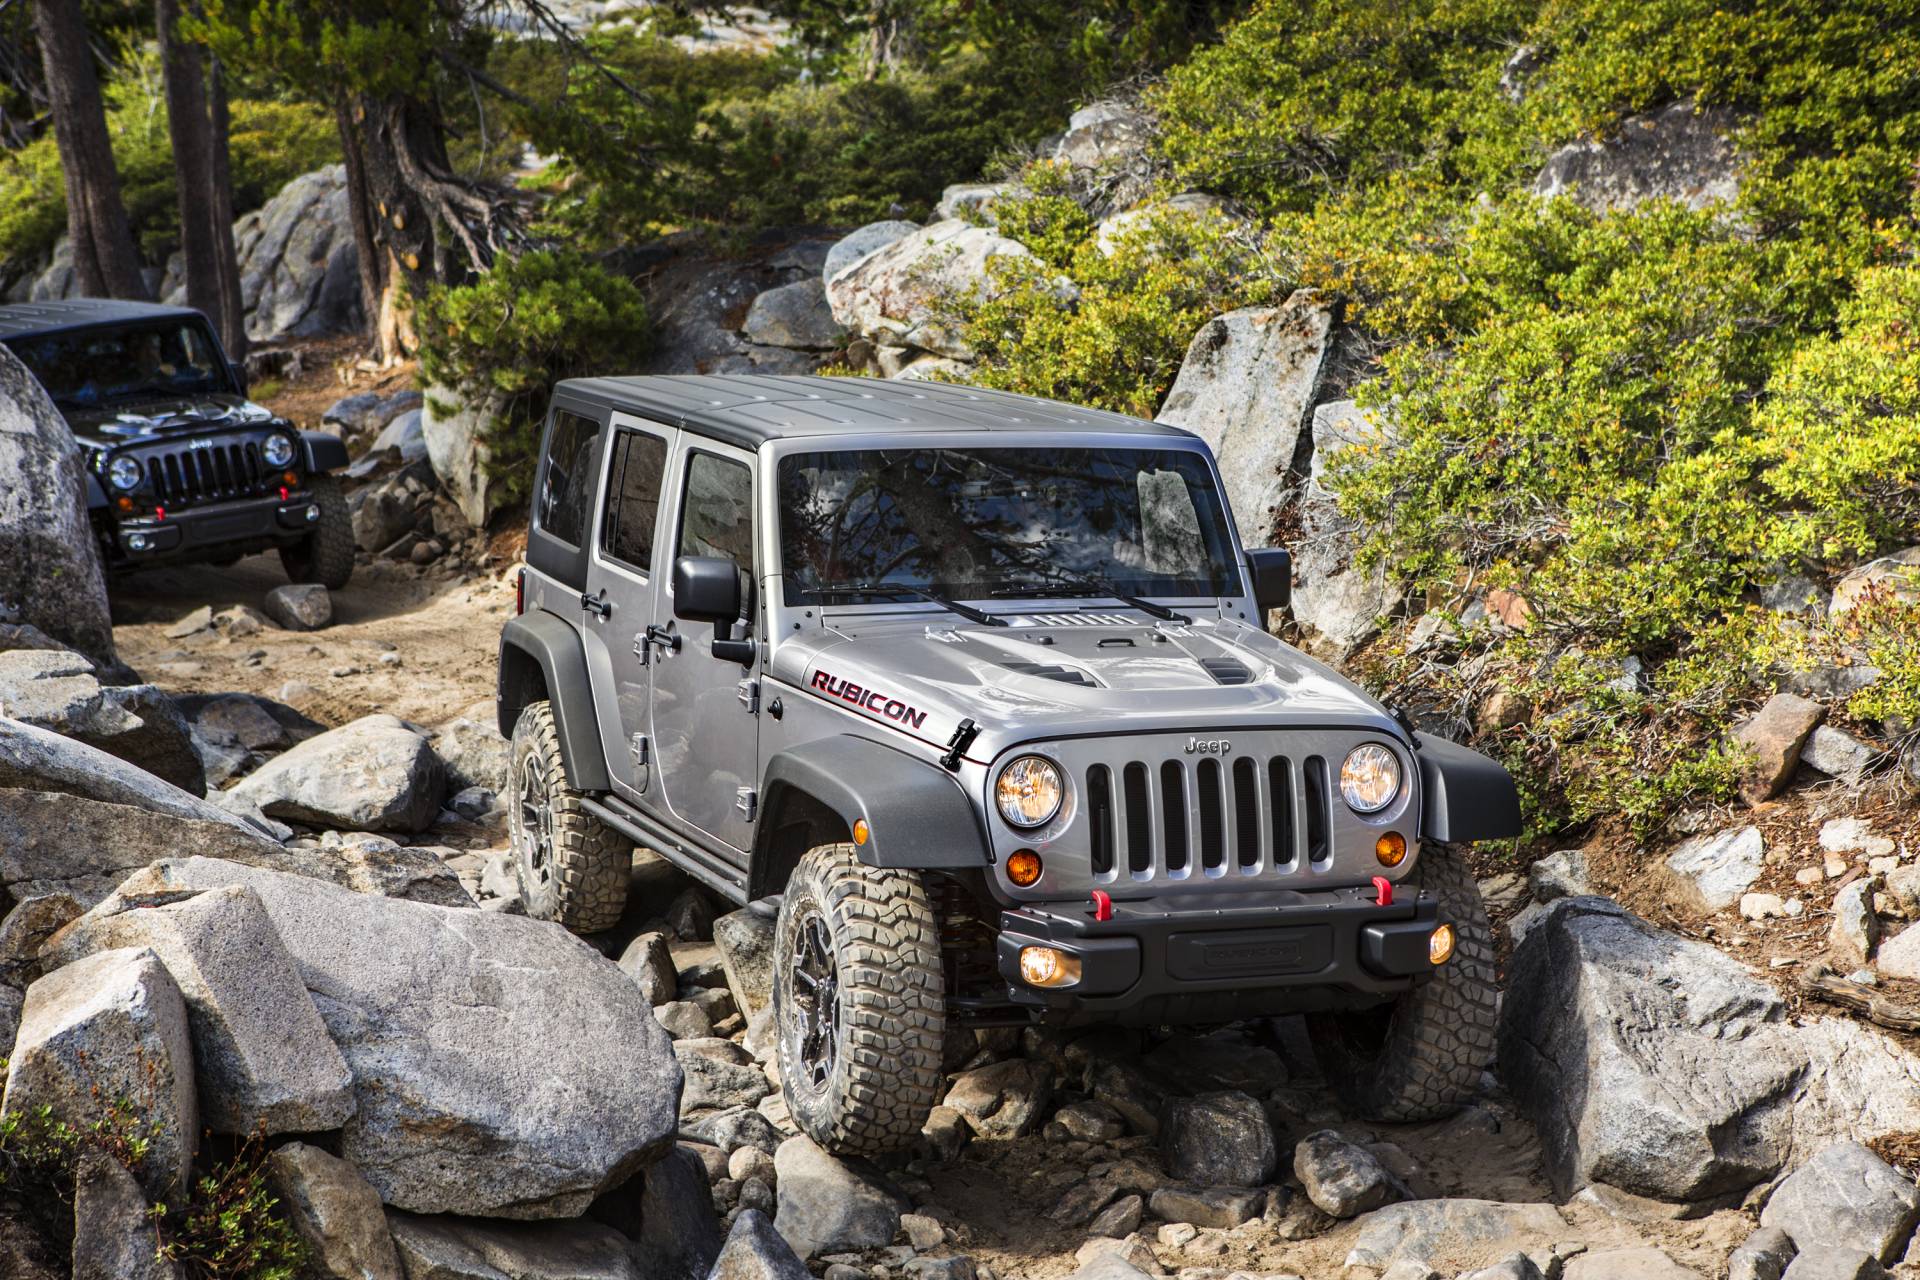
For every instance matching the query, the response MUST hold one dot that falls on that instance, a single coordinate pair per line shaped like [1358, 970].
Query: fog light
[1391, 849]
[1440, 945]
[136, 542]
[861, 831]
[313, 514]
[1048, 967]
[1023, 868]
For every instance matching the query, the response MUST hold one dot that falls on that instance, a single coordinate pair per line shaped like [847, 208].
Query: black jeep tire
[1423, 1056]
[859, 1002]
[573, 869]
[324, 556]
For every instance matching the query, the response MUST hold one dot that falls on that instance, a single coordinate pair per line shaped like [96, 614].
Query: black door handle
[597, 604]
[661, 636]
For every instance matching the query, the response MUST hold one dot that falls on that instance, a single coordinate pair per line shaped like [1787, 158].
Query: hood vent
[1047, 671]
[1226, 671]
[1074, 620]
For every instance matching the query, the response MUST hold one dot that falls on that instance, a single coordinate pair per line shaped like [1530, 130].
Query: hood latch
[957, 745]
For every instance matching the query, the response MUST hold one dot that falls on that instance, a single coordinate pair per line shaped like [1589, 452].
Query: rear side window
[716, 516]
[633, 498]
[566, 495]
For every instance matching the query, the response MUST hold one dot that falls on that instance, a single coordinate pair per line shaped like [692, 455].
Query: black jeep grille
[226, 470]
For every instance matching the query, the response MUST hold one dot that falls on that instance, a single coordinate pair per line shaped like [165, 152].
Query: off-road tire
[324, 556]
[890, 995]
[576, 870]
[1423, 1057]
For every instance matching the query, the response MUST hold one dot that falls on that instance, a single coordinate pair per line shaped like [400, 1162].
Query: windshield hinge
[747, 801]
[957, 745]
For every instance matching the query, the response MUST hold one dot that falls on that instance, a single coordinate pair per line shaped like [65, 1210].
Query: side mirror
[707, 589]
[1272, 573]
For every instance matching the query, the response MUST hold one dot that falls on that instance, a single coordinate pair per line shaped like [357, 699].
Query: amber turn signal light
[861, 831]
[1023, 868]
[1048, 967]
[1391, 849]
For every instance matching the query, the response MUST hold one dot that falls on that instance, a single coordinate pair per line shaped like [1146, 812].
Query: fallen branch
[1822, 983]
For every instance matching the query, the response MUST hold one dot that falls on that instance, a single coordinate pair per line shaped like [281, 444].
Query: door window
[565, 495]
[633, 499]
[716, 516]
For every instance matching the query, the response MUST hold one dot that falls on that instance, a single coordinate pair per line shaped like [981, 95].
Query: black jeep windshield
[1002, 522]
[93, 367]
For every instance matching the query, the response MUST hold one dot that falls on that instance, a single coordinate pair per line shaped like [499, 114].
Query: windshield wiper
[966, 611]
[1083, 585]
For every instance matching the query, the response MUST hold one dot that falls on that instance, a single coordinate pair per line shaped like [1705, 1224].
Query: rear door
[623, 579]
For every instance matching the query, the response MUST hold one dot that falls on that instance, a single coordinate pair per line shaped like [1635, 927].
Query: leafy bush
[508, 337]
[231, 1228]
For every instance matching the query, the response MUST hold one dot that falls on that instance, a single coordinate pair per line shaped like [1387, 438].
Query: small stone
[1846, 1197]
[946, 1132]
[1087, 1121]
[1900, 955]
[1716, 869]
[1004, 1100]
[1764, 1256]
[191, 623]
[1762, 906]
[1516, 1266]
[1559, 875]
[922, 1232]
[1342, 1178]
[1809, 875]
[1176, 1234]
[1223, 1207]
[1775, 737]
[300, 606]
[1219, 1139]
[683, 1020]
[336, 1212]
[649, 962]
[1853, 835]
[1795, 907]
[1831, 1262]
[1837, 754]
[1121, 1218]
[1855, 928]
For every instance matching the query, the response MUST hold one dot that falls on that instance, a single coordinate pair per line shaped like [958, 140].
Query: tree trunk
[369, 247]
[232, 315]
[105, 260]
[197, 125]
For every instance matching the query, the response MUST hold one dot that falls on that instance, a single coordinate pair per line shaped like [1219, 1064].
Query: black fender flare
[917, 815]
[1467, 796]
[538, 644]
[96, 492]
[324, 452]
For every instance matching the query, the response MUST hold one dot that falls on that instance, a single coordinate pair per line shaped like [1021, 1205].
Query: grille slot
[184, 477]
[1139, 819]
[1213, 817]
[1246, 814]
[1100, 818]
[1286, 844]
[1173, 814]
[1315, 773]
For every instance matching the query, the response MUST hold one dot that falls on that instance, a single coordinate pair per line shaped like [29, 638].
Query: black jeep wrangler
[181, 466]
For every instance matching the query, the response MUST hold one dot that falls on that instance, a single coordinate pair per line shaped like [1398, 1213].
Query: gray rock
[1128, 1090]
[1642, 1263]
[1219, 1139]
[1005, 1100]
[1855, 930]
[369, 411]
[1846, 1196]
[1680, 152]
[1831, 1262]
[861, 244]
[60, 692]
[716, 1084]
[1837, 753]
[829, 1205]
[650, 964]
[374, 774]
[337, 1213]
[454, 422]
[1119, 1219]
[474, 753]
[793, 315]
[298, 265]
[1119, 229]
[382, 514]
[1896, 577]
[1333, 597]
[1715, 869]
[450, 1116]
[1900, 954]
[299, 606]
[683, 1020]
[1107, 1265]
[112, 1026]
[1763, 1256]
[1515, 1267]
[745, 942]
[1559, 875]
[1451, 1231]
[262, 1058]
[690, 916]
[756, 1251]
[1222, 1207]
[1087, 1121]
[113, 1238]
[402, 441]
[1341, 1178]
[446, 1248]
[732, 1130]
[1246, 387]
[50, 575]
[1774, 738]
[896, 295]
[973, 201]
[1647, 1062]
[1104, 135]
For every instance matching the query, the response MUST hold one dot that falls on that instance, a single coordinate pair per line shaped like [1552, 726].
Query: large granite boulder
[114, 1234]
[374, 774]
[793, 315]
[60, 691]
[895, 295]
[1682, 152]
[863, 242]
[442, 1248]
[453, 424]
[1246, 387]
[50, 575]
[299, 269]
[829, 1205]
[501, 1067]
[1334, 597]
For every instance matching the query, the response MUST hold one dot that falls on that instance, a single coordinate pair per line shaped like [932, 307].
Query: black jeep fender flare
[1468, 797]
[917, 816]
[541, 657]
[96, 492]
[324, 452]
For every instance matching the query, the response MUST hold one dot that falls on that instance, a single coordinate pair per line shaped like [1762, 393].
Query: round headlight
[1370, 778]
[124, 473]
[278, 450]
[1029, 791]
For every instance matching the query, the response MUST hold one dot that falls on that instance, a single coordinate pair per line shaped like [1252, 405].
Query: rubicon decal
[873, 701]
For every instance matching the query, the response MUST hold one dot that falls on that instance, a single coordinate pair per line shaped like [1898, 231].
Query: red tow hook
[1383, 889]
[1102, 905]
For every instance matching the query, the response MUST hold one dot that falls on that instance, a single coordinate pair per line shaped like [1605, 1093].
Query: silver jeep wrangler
[975, 691]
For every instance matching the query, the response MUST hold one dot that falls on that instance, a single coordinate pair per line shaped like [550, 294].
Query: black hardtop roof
[24, 319]
[751, 410]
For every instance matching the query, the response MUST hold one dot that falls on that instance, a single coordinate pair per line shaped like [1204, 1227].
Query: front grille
[226, 470]
[1209, 817]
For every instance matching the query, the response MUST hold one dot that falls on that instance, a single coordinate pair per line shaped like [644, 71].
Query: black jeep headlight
[1029, 791]
[1370, 778]
[278, 450]
[124, 473]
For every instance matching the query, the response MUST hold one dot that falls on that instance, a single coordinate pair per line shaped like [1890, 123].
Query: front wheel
[325, 555]
[859, 1002]
[573, 869]
[1422, 1057]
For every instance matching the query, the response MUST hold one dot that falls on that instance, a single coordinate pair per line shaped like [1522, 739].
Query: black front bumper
[201, 533]
[1210, 957]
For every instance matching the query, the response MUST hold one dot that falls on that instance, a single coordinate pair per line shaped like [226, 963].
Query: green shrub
[508, 337]
[231, 1227]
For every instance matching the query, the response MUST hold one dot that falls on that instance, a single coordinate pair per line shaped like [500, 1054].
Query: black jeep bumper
[203, 533]
[1209, 957]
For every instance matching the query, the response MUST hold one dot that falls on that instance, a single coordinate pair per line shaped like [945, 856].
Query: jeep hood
[1070, 674]
[132, 420]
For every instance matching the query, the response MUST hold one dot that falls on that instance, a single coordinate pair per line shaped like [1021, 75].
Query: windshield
[974, 523]
[93, 367]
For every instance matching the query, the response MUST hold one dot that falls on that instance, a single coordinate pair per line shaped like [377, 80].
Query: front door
[705, 721]
[621, 574]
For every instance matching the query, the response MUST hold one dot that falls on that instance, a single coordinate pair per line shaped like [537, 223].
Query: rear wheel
[859, 1002]
[573, 869]
[325, 555]
[1423, 1056]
